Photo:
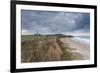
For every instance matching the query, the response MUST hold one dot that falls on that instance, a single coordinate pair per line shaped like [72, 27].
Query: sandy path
[82, 51]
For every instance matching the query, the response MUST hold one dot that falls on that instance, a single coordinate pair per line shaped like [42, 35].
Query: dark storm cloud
[54, 22]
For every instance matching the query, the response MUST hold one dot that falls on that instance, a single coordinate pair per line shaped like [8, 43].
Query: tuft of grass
[67, 55]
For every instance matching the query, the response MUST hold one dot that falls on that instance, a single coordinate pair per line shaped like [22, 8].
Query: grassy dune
[43, 48]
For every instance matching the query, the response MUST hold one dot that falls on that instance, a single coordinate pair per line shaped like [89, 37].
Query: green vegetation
[66, 51]
[40, 48]
[35, 37]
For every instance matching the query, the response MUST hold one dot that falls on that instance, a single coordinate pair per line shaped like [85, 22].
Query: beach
[79, 50]
[53, 48]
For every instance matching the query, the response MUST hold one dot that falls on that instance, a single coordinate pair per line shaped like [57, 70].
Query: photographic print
[54, 36]
[50, 36]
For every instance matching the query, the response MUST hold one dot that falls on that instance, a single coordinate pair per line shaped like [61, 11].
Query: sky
[54, 22]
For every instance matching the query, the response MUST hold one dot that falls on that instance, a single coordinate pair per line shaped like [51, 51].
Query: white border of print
[57, 63]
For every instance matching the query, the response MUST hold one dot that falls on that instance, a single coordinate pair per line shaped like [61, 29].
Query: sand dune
[53, 48]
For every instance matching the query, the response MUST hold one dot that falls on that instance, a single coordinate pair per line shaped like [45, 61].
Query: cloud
[46, 22]
[26, 32]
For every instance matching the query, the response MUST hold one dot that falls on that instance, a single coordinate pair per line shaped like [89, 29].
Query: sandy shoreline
[79, 50]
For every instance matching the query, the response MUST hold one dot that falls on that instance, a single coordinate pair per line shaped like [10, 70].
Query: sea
[82, 39]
